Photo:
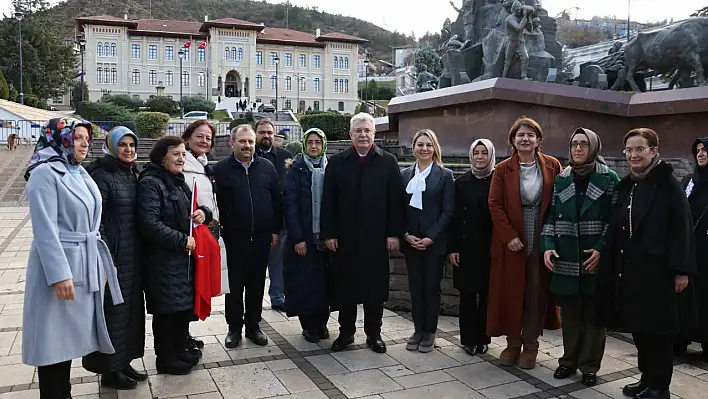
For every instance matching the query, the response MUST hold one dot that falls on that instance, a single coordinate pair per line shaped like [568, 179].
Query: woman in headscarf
[572, 239]
[646, 260]
[469, 245]
[305, 266]
[116, 177]
[69, 264]
[430, 194]
[164, 219]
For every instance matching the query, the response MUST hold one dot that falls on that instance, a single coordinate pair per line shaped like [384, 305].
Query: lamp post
[82, 50]
[366, 71]
[300, 79]
[18, 16]
[181, 83]
[629, 7]
[276, 60]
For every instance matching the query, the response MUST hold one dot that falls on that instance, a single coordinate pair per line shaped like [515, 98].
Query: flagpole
[190, 69]
[191, 222]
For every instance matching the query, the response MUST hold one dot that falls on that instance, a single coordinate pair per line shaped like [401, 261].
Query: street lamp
[181, 82]
[629, 7]
[366, 69]
[276, 60]
[82, 50]
[300, 79]
[18, 16]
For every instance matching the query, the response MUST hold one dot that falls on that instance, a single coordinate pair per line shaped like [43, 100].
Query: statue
[616, 47]
[426, 81]
[536, 42]
[515, 41]
[468, 13]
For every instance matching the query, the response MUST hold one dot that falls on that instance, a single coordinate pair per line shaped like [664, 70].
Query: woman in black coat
[470, 244]
[164, 214]
[648, 256]
[305, 263]
[116, 177]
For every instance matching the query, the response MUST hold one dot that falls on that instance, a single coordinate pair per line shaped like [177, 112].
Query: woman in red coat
[519, 196]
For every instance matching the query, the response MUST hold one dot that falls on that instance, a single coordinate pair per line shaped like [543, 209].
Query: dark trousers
[54, 381]
[314, 321]
[170, 331]
[425, 271]
[583, 339]
[247, 262]
[473, 318]
[373, 313]
[655, 358]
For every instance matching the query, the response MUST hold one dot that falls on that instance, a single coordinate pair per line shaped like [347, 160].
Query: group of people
[531, 244]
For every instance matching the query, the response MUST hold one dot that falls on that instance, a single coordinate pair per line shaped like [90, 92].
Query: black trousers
[473, 318]
[54, 381]
[314, 321]
[170, 331]
[655, 358]
[373, 313]
[247, 262]
[425, 271]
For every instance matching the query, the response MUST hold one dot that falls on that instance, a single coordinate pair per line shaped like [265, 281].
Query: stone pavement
[290, 367]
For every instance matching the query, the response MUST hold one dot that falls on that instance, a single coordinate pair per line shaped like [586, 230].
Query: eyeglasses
[580, 144]
[638, 150]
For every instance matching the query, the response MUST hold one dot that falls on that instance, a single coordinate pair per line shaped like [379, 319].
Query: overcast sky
[420, 16]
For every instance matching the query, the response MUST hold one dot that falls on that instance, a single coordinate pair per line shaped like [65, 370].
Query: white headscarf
[417, 185]
[487, 170]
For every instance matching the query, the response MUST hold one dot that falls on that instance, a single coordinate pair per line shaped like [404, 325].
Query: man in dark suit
[265, 137]
[362, 218]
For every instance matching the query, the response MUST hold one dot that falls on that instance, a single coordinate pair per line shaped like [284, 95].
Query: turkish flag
[189, 43]
[207, 265]
[204, 44]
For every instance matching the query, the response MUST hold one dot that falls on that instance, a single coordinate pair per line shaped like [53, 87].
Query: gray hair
[239, 128]
[361, 117]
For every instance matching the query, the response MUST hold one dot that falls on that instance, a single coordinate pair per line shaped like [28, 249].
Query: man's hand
[275, 239]
[547, 258]
[680, 283]
[593, 261]
[426, 242]
[515, 245]
[301, 248]
[454, 258]
[412, 240]
[392, 244]
[198, 216]
[191, 244]
[64, 290]
[332, 244]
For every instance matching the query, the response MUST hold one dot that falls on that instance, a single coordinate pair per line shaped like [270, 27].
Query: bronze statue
[616, 46]
[426, 81]
[515, 43]
[468, 12]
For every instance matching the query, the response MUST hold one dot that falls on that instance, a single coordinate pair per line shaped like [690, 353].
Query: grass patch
[220, 114]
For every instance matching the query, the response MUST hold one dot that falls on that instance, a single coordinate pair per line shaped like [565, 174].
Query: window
[273, 81]
[341, 106]
[186, 54]
[341, 62]
[232, 57]
[152, 52]
[227, 54]
[301, 107]
[201, 79]
[106, 50]
[336, 85]
[240, 54]
[114, 50]
[201, 54]
[99, 49]
[346, 85]
[288, 59]
[114, 76]
[272, 58]
[316, 84]
[259, 57]
[136, 77]
[346, 63]
[152, 78]
[170, 78]
[316, 105]
[99, 75]
[288, 83]
[316, 61]
[336, 62]
[259, 82]
[303, 61]
[169, 53]
[288, 105]
[136, 50]
[302, 83]
[106, 75]
[273, 101]
[185, 78]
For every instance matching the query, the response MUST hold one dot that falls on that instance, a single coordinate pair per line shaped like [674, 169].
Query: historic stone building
[227, 60]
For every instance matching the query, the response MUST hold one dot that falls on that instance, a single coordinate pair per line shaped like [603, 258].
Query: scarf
[417, 185]
[317, 183]
[700, 173]
[487, 170]
[643, 175]
[113, 138]
[56, 143]
[587, 167]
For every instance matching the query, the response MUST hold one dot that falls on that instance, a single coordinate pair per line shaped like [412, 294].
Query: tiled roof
[28, 113]
[336, 36]
[280, 35]
[163, 25]
[103, 18]
[234, 21]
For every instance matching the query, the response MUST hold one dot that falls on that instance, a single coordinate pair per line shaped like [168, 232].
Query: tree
[125, 101]
[76, 93]
[568, 61]
[703, 12]
[427, 56]
[4, 88]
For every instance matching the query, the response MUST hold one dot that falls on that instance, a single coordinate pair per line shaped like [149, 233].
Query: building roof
[231, 23]
[28, 113]
[171, 26]
[287, 36]
[340, 37]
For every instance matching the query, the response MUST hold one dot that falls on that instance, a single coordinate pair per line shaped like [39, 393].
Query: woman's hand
[191, 244]
[593, 261]
[301, 248]
[198, 216]
[515, 245]
[547, 258]
[64, 290]
[454, 258]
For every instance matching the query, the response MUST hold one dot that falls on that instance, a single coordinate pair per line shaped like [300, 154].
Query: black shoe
[470, 349]
[634, 389]
[232, 340]
[257, 337]
[654, 394]
[280, 307]
[563, 372]
[342, 342]
[193, 343]
[311, 336]
[323, 332]
[173, 367]
[118, 380]
[134, 374]
[191, 356]
[376, 344]
[483, 348]
[589, 379]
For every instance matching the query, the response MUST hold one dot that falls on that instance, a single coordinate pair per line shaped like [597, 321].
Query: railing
[26, 130]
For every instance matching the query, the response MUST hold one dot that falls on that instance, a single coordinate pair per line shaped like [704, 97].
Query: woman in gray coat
[69, 265]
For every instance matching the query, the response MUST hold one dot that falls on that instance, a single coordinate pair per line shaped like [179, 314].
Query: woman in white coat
[199, 138]
[69, 265]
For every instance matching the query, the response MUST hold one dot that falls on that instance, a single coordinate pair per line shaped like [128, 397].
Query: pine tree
[4, 88]
[429, 57]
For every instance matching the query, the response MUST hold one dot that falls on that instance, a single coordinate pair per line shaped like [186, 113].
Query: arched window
[341, 62]
[227, 54]
[106, 49]
[233, 53]
[240, 54]
[336, 62]
[114, 50]
[346, 62]
[99, 49]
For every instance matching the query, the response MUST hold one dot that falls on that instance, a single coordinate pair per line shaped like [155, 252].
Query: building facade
[224, 60]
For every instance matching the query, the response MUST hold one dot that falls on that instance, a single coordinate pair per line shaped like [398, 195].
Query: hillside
[272, 15]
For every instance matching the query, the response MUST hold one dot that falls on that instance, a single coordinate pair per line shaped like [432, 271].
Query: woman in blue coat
[69, 265]
[305, 266]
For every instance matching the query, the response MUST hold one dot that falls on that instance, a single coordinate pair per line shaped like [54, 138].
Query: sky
[420, 16]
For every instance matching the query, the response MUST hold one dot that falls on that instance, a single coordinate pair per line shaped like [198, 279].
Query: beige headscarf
[588, 166]
[487, 170]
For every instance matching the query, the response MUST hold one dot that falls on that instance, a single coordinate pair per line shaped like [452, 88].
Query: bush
[4, 88]
[237, 122]
[162, 104]
[151, 125]
[104, 112]
[125, 101]
[197, 104]
[314, 112]
[43, 105]
[226, 119]
[32, 101]
[334, 124]
[13, 94]
[249, 116]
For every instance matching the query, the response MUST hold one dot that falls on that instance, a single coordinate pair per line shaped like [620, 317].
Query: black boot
[118, 380]
[134, 374]
[342, 342]
[654, 394]
[311, 335]
[634, 389]
[193, 343]
[257, 337]
[376, 344]
[191, 356]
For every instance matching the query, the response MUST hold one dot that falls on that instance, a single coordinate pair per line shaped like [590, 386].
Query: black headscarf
[700, 173]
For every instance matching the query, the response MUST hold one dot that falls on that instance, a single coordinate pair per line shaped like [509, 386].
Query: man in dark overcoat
[362, 218]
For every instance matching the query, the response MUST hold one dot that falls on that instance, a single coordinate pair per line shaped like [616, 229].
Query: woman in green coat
[584, 195]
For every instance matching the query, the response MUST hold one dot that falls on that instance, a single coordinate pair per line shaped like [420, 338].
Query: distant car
[266, 108]
[196, 115]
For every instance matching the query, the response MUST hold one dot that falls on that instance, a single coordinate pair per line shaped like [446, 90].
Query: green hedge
[151, 125]
[162, 104]
[125, 101]
[334, 124]
[104, 112]
[195, 103]
[237, 122]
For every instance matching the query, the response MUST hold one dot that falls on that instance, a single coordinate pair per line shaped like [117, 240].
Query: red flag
[189, 43]
[207, 264]
[204, 44]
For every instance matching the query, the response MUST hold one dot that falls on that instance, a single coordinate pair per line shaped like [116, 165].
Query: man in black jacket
[251, 212]
[265, 139]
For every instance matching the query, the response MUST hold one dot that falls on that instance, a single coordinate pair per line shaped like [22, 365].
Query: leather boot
[118, 380]
[527, 360]
[510, 356]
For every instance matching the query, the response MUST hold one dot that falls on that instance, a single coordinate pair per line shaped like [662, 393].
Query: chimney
[206, 18]
[317, 32]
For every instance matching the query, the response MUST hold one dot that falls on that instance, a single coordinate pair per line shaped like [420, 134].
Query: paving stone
[398, 370]
[419, 380]
[446, 390]
[295, 381]
[421, 362]
[512, 390]
[247, 381]
[198, 381]
[363, 359]
[362, 383]
[16, 374]
[327, 364]
[481, 375]
[277, 365]
[32, 394]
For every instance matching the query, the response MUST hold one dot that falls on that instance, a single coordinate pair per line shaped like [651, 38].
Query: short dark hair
[650, 135]
[189, 131]
[159, 150]
[263, 122]
[529, 123]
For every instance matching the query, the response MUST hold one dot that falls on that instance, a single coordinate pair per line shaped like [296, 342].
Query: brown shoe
[510, 356]
[527, 360]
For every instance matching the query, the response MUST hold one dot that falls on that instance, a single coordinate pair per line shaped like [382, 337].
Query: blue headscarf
[56, 143]
[113, 138]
